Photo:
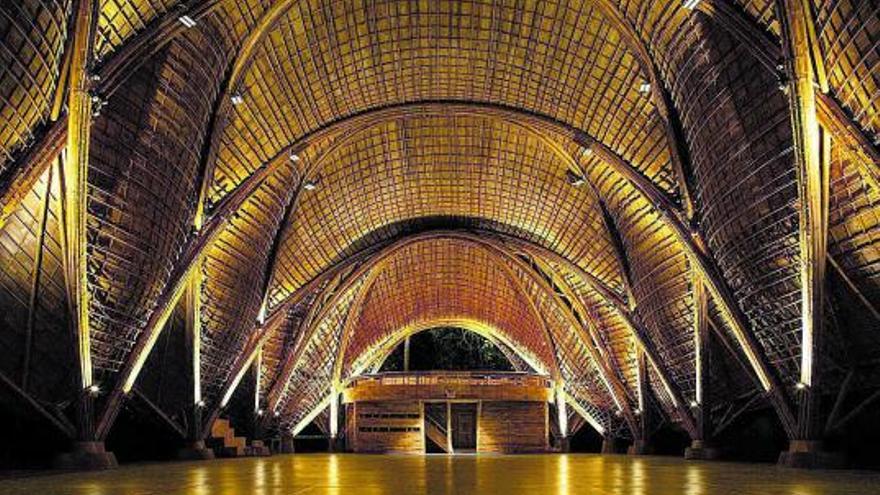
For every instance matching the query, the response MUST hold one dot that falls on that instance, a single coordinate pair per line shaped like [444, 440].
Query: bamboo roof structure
[293, 186]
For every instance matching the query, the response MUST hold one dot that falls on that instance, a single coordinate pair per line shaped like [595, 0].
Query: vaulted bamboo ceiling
[599, 182]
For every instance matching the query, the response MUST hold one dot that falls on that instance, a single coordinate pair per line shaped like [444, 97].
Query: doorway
[464, 426]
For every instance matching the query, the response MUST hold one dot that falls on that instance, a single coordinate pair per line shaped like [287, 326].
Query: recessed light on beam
[310, 185]
[294, 157]
[236, 99]
[645, 88]
[573, 178]
[691, 4]
[187, 21]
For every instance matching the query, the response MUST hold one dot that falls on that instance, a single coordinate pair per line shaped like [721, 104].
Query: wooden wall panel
[512, 427]
[387, 427]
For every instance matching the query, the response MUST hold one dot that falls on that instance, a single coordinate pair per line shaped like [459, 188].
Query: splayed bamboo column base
[640, 447]
[611, 445]
[195, 451]
[564, 444]
[809, 454]
[700, 450]
[90, 456]
[287, 444]
[335, 444]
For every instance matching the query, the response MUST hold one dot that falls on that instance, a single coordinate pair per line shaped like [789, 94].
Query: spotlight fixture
[236, 99]
[94, 389]
[637, 412]
[294, 157]
[187, 21]
[311, 184]
[800, 386]
[587, 152]
[691, 4]
[694, 404]
[573, 178]
[200, 404]
[277, 414]
[259, 412]
[645, 88]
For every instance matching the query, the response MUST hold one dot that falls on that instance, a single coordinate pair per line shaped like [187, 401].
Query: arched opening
[449, 349]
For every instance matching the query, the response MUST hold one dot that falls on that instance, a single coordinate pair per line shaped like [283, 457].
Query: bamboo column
[74, 201]
[811, 154]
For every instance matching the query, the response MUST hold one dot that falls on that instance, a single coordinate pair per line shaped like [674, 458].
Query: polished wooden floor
[353, 474]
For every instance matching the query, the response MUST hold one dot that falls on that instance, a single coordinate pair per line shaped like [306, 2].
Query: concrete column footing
[610, 446]
[195, 451]
[86, 456]
[809, 454]
[701, 451]
[639, 447]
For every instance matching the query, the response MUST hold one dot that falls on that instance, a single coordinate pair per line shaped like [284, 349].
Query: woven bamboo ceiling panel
[33, 294]
[465, 282]
[850, 40]
[121, 19]
[496, 174]
[145, 158]
[32, 35]
[310, 379]
[326, 60]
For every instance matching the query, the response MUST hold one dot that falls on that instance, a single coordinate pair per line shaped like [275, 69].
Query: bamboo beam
[703, 264]
[589, 418]
[59, 422]
[812, 159]
[127, 58]
[108, 77]
[155, 409]
[24, 173]
[264, 329]
[702, 358]
[767, 50]
[590, 338]
[74, 192]
[552, 130]
[642, 340]
[851, 285]
[619, 253]
[34, 299]
[644, 391]
[838, 402]
[732, 415]
[859, 409]
[615, 388]
[317, 312]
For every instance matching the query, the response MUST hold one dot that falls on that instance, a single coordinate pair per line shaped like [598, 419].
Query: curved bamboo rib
[647, 42]
[671, 215]
[488, 241]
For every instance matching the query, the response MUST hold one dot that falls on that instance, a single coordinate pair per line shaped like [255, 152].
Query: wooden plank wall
[387, 427]
[512, 427]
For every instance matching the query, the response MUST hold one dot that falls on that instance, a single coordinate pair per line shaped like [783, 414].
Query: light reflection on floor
[349, 474]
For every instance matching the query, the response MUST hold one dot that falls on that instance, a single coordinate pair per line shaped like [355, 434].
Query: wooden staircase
[226, 444]
[436, 432]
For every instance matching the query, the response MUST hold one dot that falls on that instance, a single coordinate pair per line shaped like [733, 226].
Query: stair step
[436, 435]
[219, 428]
